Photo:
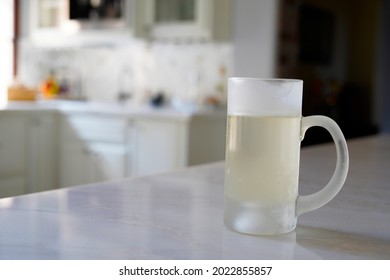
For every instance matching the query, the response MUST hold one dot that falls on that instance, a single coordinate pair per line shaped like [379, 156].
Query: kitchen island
[178, 215]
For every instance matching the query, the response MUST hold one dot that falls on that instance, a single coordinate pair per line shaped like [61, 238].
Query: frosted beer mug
[264, 132]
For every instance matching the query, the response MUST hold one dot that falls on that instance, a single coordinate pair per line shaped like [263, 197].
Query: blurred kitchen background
[179, 53]
[339, 48]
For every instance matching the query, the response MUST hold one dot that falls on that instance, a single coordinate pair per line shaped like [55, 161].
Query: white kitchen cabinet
[188, 19]
[27, 152]
[75, 165]
[167, 144]
[206, 139]
[99, 147]
[50, 148]
[84, 163]
[41, 151]
[12, 148]
[12, 186]
[46, 20]
[110, 161]
[12, 154]
[94, 148]
[51, 25]
[159, 145]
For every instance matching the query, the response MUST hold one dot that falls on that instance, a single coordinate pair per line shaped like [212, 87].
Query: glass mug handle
[316, 200]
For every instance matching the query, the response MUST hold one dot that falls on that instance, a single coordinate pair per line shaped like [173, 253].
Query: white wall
[255, 25]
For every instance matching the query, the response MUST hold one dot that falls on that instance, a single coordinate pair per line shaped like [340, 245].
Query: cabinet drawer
[95, 128]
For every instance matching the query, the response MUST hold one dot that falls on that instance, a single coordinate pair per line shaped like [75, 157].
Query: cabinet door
[12, 154]
[109, 161]
[42, 139]
[207, 136]
[94, 148]
[84, 163]
[76, 162]
[188, 19]
[160, 146]
[54, 23]
[12, 144]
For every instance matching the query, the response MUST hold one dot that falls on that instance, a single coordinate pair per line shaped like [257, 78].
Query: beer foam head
[264, 97]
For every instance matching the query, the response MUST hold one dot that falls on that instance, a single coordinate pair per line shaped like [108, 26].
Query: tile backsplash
[185, 71]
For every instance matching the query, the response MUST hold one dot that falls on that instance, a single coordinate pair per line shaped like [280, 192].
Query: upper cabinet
[187, 19]
[80, 22]
[67, 22]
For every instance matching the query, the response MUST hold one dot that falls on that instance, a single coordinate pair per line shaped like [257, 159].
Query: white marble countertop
[179, 216]
[112, 108]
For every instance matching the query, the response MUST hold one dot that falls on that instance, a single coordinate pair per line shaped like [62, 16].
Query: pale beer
[262, 167]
